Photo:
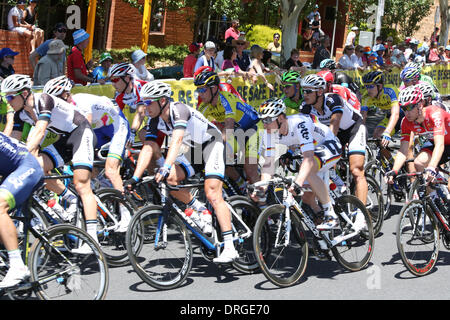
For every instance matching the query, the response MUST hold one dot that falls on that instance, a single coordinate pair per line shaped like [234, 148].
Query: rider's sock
[197, 205]
[15, 259]
[329, 210]
[91, 228]
[228, 239]
[68, 196]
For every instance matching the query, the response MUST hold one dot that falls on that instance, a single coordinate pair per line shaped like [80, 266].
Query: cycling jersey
[384, 102]
[5, 109]
[204, 138]
[21, 172]
[108, 122]
[347, 95]
[292, 107]
[230, 106]
[437, 122]
[345, 80]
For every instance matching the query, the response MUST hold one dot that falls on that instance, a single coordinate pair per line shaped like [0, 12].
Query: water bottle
[194, 216]
[207, 220]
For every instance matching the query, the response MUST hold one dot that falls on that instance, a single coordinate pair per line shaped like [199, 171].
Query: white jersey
[305, 133]
[333, 103]
[104, 111]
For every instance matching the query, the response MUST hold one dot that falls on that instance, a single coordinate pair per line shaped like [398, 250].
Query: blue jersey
[12, 152]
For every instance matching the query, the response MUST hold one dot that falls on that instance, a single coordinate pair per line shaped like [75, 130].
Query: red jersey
[347, 95]
[436, 123]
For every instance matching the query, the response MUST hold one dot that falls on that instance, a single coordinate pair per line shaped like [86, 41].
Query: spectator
[398, 58]
[410, 52]
[30, 17]
[6, 62]
[447, 52]
[17, 24]
[425, 43]
[233, 31]
[433, 56]
[242, 59]
[207, 59]
[366, 52]
[389, 47]
[59, 33]
[420, 56]
[379, 49]
[48, 66]
[101, 72]
[267, 60]
[218, 59]
[435, 35]
[257, 68]
[441, 54]
[191, 59]
[372, 60]
[378, 42]
[138, 63]
[77, 69]
[307, 38]
[316, 28]
[357, 58]
[230, 65]
[293, 63]
[351, 37]
[275, 46]
[312, 14]
[322, 52]
[345, 62]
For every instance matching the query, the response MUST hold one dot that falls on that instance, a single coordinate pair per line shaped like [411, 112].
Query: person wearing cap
[447, 52]
[101, 72]
[351, 37]
[17, 24]
[77, 69]
[442, 57]
[207, 59]
[30, 17]
[59, 33]
[242, 58]
[190, 60]
[233, 31]
[379, 49]
[312, 14]
[398, 58]
[48, 66]
[6, 62]
[141, 72]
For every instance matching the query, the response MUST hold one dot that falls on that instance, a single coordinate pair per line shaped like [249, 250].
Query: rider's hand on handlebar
[390, 175]
[295, 189]
[130, 183]
[386, 138]
[259, 194]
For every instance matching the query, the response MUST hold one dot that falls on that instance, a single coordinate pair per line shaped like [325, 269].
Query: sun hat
[138, 55]
[241, 39]
[79, 36]
[56, 47]
[355, 28]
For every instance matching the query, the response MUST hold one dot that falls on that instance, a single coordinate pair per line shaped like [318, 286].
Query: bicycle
[160, 248]
[283, 261]
[422, 221]
[57, 271]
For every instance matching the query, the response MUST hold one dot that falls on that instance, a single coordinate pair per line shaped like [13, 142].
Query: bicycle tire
[249, 213]
[56, 272]
[371, 168]
[274, 268]
[418, 238]
[355, 253]
[148, 260]
[113, 243]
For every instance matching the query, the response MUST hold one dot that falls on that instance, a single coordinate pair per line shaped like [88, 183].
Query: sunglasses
[268, 120]
[409, 107]
[240, 43]
[369, 86]
[149, 101]
[61, 30]
[308, 91]
[201, 90]
[11, 97]
[285, 86]
[115, 80]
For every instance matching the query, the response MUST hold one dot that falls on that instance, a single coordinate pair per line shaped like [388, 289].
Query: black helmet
[207, 79]
[373, 77]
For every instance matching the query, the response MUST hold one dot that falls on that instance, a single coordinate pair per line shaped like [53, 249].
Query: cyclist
[187, 125]
[345, 93]
[431, 96]
[292, 92]
[343, 120]
[384, 98]
[76, 142]
[239, 120]
[340, 78]
[21, 174]
[422, 119]
[423, 77]
[319, 146]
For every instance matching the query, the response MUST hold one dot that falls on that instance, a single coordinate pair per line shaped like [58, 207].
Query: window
[158, 17]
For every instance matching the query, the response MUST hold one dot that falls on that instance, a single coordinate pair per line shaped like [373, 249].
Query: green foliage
[260, 35]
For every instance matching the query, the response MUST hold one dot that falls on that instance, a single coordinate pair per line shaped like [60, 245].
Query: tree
[445, 21]
[290, 10]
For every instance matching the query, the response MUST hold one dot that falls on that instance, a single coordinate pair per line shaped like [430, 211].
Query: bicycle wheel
[418, 238]
[285, 262]
[353, 253]
[374, 204]
[59, 273]
[372, 169]
[164, 265]
[113, 242]
[249, 213]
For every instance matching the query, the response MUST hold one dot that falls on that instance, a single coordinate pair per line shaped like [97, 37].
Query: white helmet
[415, 65]
[155, 90]
[58, 86]
[410, 95]
[271, 108]
[313, 81]
[120, 70]
[15, 83]
[427, 90]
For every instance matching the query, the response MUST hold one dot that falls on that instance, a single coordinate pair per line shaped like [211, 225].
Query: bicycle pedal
[321, 255]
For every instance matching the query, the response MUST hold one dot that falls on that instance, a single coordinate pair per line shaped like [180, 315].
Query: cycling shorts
[428, 147]
[247, 140]
[118, 134]
[18, 186]
[355, 136]
[77, 146]
[209, 158]
[328, 154]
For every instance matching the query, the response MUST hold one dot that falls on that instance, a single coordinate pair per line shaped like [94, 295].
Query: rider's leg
[357, 170]
[112, 172]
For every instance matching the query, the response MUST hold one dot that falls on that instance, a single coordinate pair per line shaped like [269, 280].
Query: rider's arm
[145, 156]
[9, 123]
[439, 146]
[335, 122]
[395, 114]
[138, 118]
[401, 156]
[35, 137]
[175, 144]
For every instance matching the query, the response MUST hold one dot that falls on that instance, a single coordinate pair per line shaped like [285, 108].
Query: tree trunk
[290, 10]
[445, 21]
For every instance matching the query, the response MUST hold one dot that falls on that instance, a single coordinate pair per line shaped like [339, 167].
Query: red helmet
[410, 95]
[203, 68]
[327, 75]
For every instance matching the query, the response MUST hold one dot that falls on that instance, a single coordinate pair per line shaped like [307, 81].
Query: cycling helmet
[410, 95]
[207, 79]
[271, 108]
[409, 74]
[327, 75]
[155, 90]
[291, 77]
[427, 90]
[373, 77]
[58, 86]
[120, 70]
[15, 83]
[327, 64]
[415, 65]
[313, 81]
[202, 69]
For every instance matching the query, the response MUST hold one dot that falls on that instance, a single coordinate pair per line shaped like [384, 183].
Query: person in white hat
[207, 59]
[351, 37]
[138, 61]
[49, 66]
